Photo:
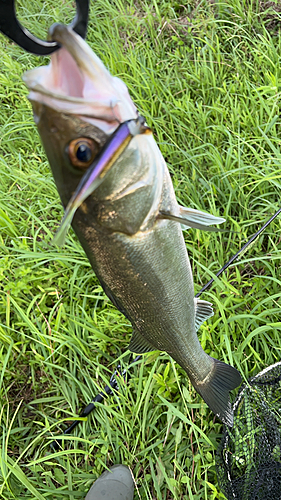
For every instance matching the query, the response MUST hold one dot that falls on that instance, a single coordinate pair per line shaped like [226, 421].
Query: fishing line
[240, 252]
[113, 384]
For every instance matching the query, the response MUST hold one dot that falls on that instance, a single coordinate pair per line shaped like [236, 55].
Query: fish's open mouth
[77, 82]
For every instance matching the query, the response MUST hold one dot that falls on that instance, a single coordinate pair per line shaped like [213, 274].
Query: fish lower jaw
[106, 119]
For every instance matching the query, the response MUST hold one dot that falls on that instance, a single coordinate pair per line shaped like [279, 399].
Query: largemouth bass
[130, 223]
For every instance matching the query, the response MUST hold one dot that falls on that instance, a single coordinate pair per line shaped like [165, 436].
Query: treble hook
[10, 26]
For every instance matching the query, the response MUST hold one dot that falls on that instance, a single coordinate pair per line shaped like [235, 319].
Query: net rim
[249, 383]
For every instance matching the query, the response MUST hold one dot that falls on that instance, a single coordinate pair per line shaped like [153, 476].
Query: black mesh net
[248, 459]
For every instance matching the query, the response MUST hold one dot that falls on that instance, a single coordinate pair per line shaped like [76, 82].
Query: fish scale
[130, 222]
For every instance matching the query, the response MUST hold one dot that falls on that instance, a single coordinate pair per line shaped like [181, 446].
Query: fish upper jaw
[77, 82]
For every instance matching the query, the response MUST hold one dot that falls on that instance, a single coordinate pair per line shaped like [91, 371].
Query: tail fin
[215, 390]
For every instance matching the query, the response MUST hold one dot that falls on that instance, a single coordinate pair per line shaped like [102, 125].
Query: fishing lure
[96, 172]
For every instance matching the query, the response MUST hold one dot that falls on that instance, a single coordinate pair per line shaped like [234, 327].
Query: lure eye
[82, 152]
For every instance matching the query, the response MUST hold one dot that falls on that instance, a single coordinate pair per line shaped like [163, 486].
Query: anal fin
[191, 217]
[203, 311]
[139, 344]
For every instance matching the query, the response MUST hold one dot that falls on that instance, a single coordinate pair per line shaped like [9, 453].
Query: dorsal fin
[203, 311]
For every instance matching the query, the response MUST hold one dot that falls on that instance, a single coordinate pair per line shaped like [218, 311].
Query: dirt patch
[271, 15]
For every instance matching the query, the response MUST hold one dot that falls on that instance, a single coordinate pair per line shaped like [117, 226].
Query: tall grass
[207, 77]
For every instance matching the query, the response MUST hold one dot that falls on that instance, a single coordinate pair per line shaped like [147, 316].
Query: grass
[207, 77]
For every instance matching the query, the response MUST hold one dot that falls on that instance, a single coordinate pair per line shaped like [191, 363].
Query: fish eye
[82, 152]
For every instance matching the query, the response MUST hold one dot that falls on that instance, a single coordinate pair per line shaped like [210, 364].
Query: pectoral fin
[203, 311]
[139, 344]
[189, 217]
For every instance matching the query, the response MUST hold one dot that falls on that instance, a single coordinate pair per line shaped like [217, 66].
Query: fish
[96, 173]
[129, 223]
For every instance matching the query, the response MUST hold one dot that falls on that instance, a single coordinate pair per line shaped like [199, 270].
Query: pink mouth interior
[100, 96]
[66, 77]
